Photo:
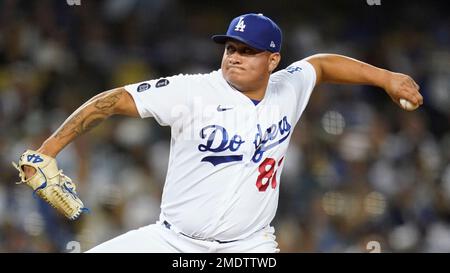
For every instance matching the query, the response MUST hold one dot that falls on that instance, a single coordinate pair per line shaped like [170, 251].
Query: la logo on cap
[240, 26]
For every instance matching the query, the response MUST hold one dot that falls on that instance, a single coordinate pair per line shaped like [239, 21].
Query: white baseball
[407, 105]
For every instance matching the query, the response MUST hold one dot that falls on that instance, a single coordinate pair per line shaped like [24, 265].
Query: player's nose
[234, 58]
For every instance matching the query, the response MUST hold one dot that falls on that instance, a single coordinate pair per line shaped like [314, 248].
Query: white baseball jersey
[226, 153]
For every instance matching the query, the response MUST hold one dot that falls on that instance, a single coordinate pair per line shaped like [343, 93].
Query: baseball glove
[50, 184]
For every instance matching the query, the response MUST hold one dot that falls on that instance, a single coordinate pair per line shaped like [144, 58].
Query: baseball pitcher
[230, 130]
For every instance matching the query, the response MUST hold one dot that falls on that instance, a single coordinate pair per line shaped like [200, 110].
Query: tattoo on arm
[85, 120]
[106, 104]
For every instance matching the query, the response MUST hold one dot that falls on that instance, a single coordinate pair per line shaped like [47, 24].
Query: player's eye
[248, 51]
[230, 49]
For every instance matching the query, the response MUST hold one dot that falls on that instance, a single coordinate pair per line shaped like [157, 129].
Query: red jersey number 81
[268, 173]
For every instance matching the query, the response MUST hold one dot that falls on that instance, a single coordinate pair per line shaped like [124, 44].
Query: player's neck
[255, 94]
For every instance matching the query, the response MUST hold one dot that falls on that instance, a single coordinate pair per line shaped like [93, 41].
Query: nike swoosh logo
[221, 109]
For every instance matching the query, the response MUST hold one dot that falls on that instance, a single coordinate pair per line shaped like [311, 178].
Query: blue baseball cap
[255, 30]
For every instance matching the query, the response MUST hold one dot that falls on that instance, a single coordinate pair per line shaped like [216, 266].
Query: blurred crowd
[360, 172]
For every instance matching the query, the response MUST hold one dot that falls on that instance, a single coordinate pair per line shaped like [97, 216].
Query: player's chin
[236, 81]
[235, 76]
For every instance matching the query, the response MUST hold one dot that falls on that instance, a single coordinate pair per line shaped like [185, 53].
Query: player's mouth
[235, 67]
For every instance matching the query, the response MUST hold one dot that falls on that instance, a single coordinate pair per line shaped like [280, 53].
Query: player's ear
[274, 60]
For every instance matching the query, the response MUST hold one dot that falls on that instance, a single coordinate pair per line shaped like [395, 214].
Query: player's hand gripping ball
[50, 184]
[407, 105]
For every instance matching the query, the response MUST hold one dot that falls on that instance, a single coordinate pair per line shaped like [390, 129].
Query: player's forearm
[341, 69]
[86, 117]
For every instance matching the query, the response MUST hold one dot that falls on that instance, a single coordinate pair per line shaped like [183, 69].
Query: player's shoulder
[194, 83]
[202, 83]
[293, 68]
[293, 79]
[205, 81]
[195, 76]
[208, 76]
[298, 70]
[184, 80]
